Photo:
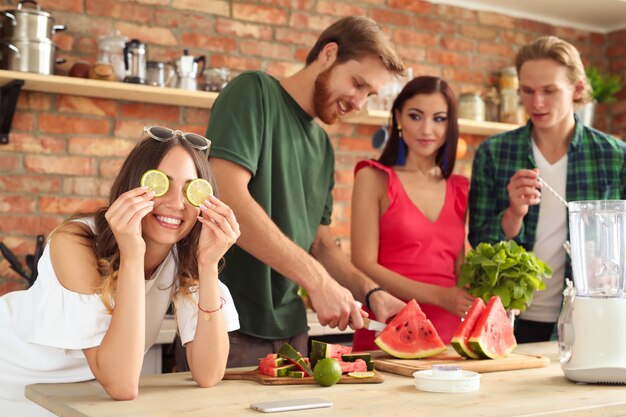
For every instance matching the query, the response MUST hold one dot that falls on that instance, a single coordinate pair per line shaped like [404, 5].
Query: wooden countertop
[531, 392]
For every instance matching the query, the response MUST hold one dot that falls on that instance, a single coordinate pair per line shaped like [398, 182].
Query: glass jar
[509, 106]
[215, 79]
[472, 107]
[111, 51]
[508, 79]
[492, 105]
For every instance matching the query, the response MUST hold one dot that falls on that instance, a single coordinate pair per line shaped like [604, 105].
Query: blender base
[595, 337]
[597, 375]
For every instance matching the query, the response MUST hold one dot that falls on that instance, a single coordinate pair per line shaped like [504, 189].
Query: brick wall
[616, 57]
[64, 151]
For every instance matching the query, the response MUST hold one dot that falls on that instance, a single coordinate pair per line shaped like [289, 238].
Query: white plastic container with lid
[446, 378]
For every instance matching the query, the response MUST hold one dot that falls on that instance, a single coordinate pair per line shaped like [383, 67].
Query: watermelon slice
[271, 360]
[288, 352]
[277, 370]
[321, 350]
[459, 340]
[365, 357]
[358, 365]
[410, 335]
[493, 337]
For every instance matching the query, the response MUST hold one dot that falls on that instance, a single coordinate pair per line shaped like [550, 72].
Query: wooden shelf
[469, 127]
[116, 90]
[109, 89]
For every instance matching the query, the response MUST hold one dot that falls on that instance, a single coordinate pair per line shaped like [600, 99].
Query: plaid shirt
[596, 170]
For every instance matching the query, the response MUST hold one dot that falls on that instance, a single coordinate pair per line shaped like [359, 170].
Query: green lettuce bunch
[505, 269]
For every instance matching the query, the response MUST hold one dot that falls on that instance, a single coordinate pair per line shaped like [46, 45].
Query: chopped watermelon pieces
[288, 352]
[289, 363]
[358, 365]
[321, 350]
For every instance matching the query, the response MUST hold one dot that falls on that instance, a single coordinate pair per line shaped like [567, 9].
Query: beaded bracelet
[369, 293]
[207, 313]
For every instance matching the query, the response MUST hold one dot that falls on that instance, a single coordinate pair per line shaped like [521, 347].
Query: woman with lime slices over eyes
[106, 280]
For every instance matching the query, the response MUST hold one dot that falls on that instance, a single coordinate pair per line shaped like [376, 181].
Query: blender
[592, 324]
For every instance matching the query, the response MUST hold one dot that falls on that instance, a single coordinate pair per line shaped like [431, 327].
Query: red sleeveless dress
[419, 249]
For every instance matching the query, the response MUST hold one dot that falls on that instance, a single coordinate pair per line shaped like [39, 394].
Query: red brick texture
[65, 150]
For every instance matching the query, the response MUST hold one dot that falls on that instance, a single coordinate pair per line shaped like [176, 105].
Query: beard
[322, 103]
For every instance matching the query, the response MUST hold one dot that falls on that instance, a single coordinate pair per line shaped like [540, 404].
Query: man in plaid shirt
[580, 163]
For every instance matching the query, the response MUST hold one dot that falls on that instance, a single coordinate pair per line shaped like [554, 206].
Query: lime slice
[198, 190]
[368, 374]
[156, 181]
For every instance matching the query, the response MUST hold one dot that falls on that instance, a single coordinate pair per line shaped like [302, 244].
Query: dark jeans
[246, 350]
[528, 331]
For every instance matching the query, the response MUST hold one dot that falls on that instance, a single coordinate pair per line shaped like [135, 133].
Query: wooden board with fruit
[329, 364]
[255, 375]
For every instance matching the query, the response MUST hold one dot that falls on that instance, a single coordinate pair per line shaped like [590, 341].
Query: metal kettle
[135, 53]
[187, 69]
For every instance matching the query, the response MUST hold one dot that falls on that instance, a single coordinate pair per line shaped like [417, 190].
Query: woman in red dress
[408, 209]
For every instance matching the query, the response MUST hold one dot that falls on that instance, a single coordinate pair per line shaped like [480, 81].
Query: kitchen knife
[373, 325]
[15, 264]
[37, 255]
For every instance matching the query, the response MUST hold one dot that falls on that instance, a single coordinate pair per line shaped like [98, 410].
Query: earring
[402, 149]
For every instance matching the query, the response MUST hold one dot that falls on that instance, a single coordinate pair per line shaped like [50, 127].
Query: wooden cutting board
[406, 367]
[255, 375]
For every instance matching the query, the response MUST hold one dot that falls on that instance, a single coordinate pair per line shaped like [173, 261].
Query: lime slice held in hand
[198, 191]
[156, 181]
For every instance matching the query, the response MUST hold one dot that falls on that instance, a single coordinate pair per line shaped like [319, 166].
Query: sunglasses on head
[164, 134]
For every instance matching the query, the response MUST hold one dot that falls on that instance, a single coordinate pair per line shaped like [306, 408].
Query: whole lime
[327, 372]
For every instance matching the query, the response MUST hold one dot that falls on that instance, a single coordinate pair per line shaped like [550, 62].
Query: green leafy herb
[504, 269]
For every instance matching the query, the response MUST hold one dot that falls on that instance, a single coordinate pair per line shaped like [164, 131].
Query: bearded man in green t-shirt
[274, 167]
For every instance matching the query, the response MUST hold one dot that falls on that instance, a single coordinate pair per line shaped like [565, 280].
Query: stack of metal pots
[26, 39]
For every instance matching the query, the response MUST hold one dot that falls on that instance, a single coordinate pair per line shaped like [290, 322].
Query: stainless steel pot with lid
[29, 56]
[27, 23]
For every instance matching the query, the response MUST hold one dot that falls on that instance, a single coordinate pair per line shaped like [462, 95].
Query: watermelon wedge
[492, 336]
[410, 335]
[460, 339]
[288, 352]
[321, 350]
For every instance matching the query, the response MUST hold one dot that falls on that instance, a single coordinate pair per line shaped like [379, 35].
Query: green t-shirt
[255, 123]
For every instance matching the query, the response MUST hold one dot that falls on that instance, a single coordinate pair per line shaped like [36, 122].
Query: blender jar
[598, 239]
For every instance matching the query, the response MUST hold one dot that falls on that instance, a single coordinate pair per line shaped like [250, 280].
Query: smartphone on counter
[289, 405]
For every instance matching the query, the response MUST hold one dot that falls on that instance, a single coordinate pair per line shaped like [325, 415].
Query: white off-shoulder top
[44, 329]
